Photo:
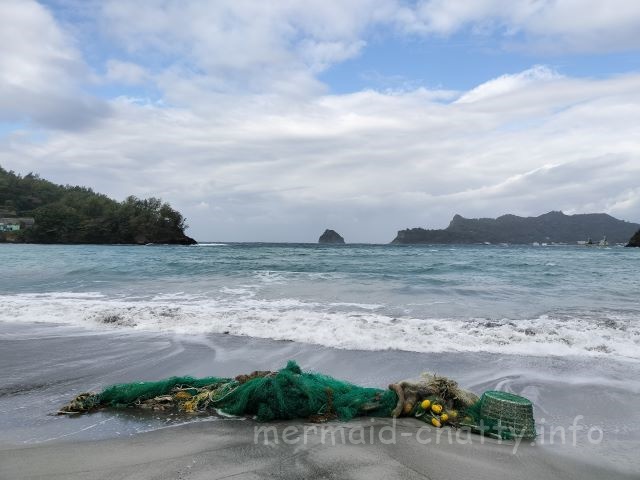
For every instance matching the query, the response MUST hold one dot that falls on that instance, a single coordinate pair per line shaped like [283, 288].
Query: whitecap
[351, 326]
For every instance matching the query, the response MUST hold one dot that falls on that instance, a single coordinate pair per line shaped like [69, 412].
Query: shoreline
[46, 365]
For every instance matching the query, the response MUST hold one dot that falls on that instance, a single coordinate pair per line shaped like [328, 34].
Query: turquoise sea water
[566, 300]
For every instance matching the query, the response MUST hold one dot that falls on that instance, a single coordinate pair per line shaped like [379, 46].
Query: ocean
[554, 300]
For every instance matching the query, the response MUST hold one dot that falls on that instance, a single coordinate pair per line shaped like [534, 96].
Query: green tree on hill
[72, 214]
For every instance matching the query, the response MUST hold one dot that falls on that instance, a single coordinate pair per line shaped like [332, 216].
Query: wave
[341, 325]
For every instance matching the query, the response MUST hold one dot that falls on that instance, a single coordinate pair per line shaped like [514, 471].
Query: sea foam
[341, 325]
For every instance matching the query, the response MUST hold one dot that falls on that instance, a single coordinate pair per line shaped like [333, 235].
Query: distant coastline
[35, 210]
[552, 227]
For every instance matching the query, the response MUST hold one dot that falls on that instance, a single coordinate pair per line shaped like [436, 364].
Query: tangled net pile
[291, 393]
[286, 394]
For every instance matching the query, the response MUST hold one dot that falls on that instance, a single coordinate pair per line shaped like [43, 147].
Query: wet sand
[44, 366]
[227, 450]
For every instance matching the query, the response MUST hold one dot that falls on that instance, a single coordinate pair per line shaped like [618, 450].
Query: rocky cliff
[635, 240]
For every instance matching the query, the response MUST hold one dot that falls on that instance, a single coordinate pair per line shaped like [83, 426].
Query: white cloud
[200, 52]
[125, 72]
[41, 71]
[509, 83]
[236, 46]
[366, 163]
[576, 25]
[250, 145]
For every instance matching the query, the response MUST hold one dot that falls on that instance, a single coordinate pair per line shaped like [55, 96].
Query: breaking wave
[357, 326]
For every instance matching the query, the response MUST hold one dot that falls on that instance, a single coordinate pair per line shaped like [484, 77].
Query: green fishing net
[291, 393]
[126, 394]
[286, 394]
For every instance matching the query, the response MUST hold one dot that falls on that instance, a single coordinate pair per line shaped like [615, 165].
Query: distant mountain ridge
[549, 227]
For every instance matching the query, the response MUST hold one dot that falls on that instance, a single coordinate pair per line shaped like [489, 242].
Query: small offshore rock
[331, 236]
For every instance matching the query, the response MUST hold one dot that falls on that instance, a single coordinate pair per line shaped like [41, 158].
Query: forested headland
[44, 212]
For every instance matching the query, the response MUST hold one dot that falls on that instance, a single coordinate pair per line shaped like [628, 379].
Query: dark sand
[227, 450]
[43, 366]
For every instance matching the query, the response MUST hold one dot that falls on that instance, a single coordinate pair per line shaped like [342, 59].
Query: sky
[273, 120]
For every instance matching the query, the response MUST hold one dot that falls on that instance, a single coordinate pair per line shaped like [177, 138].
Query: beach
[45, 365]
[227, 450]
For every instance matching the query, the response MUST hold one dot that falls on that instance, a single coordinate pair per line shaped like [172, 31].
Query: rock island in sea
[331, 236]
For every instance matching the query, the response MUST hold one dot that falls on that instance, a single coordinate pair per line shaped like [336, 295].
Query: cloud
[509, 83]
[366, 163]
[561, 25]
[199, 53]
[233, 46]
[125, 72]
[244, 138]
[41, 71]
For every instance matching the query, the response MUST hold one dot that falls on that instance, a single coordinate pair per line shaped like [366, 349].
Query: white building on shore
[15, 224]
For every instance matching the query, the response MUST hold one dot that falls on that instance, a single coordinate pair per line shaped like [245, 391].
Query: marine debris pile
[291, 393]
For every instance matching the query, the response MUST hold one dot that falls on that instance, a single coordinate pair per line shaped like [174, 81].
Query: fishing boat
[590, 243]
